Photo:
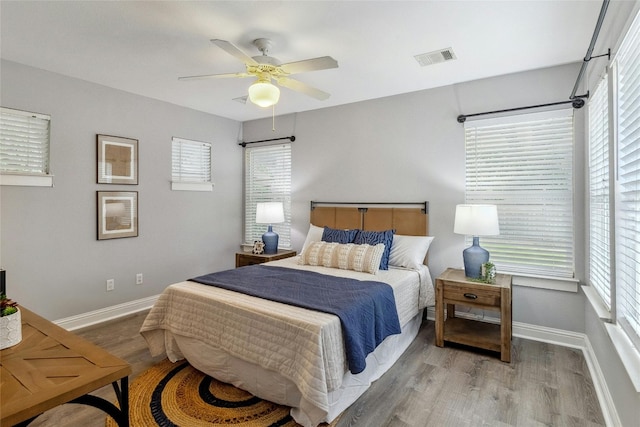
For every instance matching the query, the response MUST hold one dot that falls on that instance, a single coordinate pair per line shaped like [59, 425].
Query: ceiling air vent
[435, 57]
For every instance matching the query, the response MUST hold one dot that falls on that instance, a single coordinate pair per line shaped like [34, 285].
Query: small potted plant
[488, 272]
[10, 323]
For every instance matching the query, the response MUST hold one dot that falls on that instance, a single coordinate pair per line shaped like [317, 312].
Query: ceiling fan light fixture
[263, 93]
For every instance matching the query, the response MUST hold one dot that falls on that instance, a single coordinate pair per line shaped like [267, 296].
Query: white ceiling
[143, 47]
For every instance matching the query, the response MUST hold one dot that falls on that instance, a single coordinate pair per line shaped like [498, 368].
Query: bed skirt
[272, 386]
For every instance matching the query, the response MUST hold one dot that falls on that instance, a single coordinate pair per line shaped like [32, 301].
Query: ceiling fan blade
[298, 86]
[234, 51]
[321, 63]
[215, 76]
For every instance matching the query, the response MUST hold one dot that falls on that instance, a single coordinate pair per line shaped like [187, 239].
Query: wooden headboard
[411, 219]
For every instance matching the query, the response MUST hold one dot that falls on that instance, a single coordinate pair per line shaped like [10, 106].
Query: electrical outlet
[111, 284]
[139, 279]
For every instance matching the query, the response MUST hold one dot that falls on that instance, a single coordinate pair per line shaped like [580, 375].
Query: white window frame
[267, 178]
[28, 135]
[191, 165]
[601, 225]
[626, 105]
[536, 216]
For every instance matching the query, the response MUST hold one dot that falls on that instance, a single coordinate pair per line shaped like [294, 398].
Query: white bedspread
[303, 345]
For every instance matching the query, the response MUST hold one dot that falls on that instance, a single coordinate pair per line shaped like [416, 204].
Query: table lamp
[476, 220]
[270, 213]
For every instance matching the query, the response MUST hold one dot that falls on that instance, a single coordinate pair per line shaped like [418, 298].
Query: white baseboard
[609, 412]
[567, 339]
[108, 313]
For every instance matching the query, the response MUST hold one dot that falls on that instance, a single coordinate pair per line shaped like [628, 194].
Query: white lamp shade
[264, 94]
[477, 220]
[269, 213]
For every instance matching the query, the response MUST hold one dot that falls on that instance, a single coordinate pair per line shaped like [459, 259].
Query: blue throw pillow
[338, 236]
[375, 237]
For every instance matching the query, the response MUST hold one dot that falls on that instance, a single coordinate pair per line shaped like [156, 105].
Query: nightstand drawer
[484, 295]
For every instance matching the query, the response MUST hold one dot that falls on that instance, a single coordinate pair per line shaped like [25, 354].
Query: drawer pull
[471, 296]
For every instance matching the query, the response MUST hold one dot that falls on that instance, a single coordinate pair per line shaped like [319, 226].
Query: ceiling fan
[267, 69]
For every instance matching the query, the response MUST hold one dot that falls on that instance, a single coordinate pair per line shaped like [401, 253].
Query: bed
[292, 355]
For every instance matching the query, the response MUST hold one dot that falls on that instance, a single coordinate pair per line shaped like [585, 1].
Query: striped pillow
[364, 258]
[338, 236]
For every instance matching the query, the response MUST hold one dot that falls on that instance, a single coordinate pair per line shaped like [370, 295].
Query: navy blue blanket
[366, 309]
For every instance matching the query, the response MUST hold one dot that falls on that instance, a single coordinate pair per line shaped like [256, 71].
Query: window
[267, 179]
[599, 194]
[190, 165]
[614, 197]
[524, 165]
[627, 210]
[24, 148]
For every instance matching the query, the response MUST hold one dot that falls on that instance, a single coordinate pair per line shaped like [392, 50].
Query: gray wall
[403, 148]
[55, 266]
[411, 148]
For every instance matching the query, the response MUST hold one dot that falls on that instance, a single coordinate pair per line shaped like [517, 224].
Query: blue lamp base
[270, 239]
[474, 256]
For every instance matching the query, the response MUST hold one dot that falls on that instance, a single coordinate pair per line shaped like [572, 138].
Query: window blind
[191, 161]
[599, 206]
[627, 296]
[267, 179]
[524, 165]
[24, 142]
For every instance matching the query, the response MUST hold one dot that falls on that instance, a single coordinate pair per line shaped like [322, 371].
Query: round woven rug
[176, 394]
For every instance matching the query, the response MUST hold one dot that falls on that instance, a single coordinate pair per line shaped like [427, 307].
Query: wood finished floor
[544, 385]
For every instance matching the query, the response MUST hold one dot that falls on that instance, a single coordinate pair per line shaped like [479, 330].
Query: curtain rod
[576, 101]
[587, 58]
[290, 138]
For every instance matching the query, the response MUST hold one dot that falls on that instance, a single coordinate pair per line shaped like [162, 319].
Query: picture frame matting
[117, 214]
[117, 160]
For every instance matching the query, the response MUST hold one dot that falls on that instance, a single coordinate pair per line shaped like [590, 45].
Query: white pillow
[313, 235]
[345, 256]
[409, 251]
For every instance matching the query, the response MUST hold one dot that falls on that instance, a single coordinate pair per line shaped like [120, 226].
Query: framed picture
[117, 214]
[117, 160]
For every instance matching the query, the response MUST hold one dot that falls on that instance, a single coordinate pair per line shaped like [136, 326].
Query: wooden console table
[52, 366]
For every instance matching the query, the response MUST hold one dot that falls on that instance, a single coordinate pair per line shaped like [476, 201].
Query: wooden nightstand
[247, 258]
[452, 287]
